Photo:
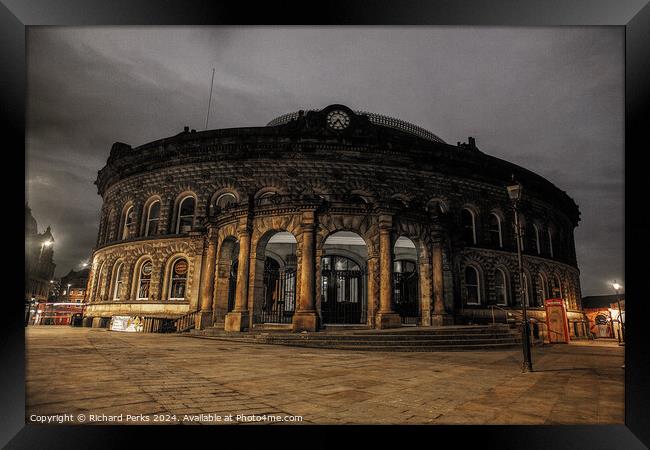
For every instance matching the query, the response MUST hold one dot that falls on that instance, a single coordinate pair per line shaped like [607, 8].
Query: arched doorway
[405, 284]
[275, 279]
[343, 279]
[406, 281]
[279, 301]
[341, 291]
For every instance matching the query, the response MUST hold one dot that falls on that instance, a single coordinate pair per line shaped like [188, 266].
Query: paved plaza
[82, 371]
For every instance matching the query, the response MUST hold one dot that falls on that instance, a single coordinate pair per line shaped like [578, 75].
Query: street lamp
[617, 287]
[514, 192]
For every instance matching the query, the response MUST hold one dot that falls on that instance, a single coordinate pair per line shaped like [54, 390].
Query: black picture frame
[634, 15]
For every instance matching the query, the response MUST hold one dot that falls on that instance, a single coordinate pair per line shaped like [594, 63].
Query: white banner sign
[126, 323]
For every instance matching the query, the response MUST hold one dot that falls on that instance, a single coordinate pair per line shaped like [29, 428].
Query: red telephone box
[556, 321]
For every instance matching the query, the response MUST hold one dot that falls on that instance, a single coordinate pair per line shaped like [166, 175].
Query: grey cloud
[549, 99]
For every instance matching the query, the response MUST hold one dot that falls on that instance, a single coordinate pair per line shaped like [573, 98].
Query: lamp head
[616, 286]
[514, 190]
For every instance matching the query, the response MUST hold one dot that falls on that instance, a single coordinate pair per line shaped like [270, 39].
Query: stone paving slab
[89, 371]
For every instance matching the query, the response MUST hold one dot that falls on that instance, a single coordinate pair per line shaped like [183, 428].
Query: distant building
[39, 264]
[67, 301]
[76, 292]
[603, 315]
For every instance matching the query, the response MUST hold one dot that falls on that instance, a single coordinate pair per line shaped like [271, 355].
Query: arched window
[225, 200]
[469, 225]
[267, 198]
[185, 220]
[557, 287]
[178, 280]
[128, 221]
[500, 287]
[117, 281]
[472, 286]
[153, 218]
[144, 280]
[550, 242]
[495, 231]
[538, 245]
[541, 290]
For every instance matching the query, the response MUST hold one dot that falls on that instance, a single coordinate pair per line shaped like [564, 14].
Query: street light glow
[47, 243]
[616, 286]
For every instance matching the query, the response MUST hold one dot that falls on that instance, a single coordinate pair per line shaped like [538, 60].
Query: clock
[338, 120]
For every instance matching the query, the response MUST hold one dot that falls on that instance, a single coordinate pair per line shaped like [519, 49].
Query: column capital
[385, 222]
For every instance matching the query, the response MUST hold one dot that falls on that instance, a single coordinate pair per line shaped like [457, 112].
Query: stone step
[397, 347]
[448, 342]
[380, 338]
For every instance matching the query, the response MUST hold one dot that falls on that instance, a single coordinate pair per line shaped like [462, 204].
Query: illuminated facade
[324, 218]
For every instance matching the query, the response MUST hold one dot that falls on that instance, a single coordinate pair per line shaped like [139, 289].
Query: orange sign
[556, 321]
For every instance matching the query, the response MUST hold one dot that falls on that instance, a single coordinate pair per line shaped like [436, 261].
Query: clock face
[338, 120]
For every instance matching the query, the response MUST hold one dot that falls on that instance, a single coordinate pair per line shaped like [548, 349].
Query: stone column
[204, 318]
[439, 316]
[373, 289]
[306, 318]
[386, 317]
[238, 318]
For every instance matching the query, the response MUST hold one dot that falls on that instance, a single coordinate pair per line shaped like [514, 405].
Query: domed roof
[377, 119]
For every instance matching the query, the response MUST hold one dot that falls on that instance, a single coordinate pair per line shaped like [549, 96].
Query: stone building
[39, 260]
[324, 218]
[73, 286]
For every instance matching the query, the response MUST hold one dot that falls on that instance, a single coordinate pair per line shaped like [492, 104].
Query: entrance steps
[410, 339]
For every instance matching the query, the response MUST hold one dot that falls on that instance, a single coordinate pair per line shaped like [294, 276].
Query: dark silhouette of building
[39, 259]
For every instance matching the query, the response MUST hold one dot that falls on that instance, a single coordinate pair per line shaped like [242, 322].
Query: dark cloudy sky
[548, 99]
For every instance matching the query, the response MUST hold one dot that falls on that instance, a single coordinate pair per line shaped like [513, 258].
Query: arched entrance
[343, 279]
[406, 281]
[275, 279]
[279, 302]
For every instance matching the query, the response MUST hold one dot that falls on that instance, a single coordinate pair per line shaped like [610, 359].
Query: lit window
[185, 220]
[144, 280]
[117, 283]
[178, 280]
[541, 290]
[129, 220]
[153, 218]
[225, 200]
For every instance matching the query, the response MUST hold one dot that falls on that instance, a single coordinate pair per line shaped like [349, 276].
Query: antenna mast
[209, 101]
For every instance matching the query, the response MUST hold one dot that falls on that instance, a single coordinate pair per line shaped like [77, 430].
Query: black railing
[279, 302]
[342, 296]
[405, 288]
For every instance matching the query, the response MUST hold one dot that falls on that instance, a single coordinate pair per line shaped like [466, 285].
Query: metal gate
[341, 291]
[232, 286]
[279, 301]
[405, 288]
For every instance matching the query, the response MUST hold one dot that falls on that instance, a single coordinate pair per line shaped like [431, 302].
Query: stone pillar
[373, 289]
[238, 318]
[386, 316]
[204, 318]
[306, 318]
[439, 316]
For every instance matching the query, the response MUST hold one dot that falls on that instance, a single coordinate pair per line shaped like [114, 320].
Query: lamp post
[514, 192]
[617, 287]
